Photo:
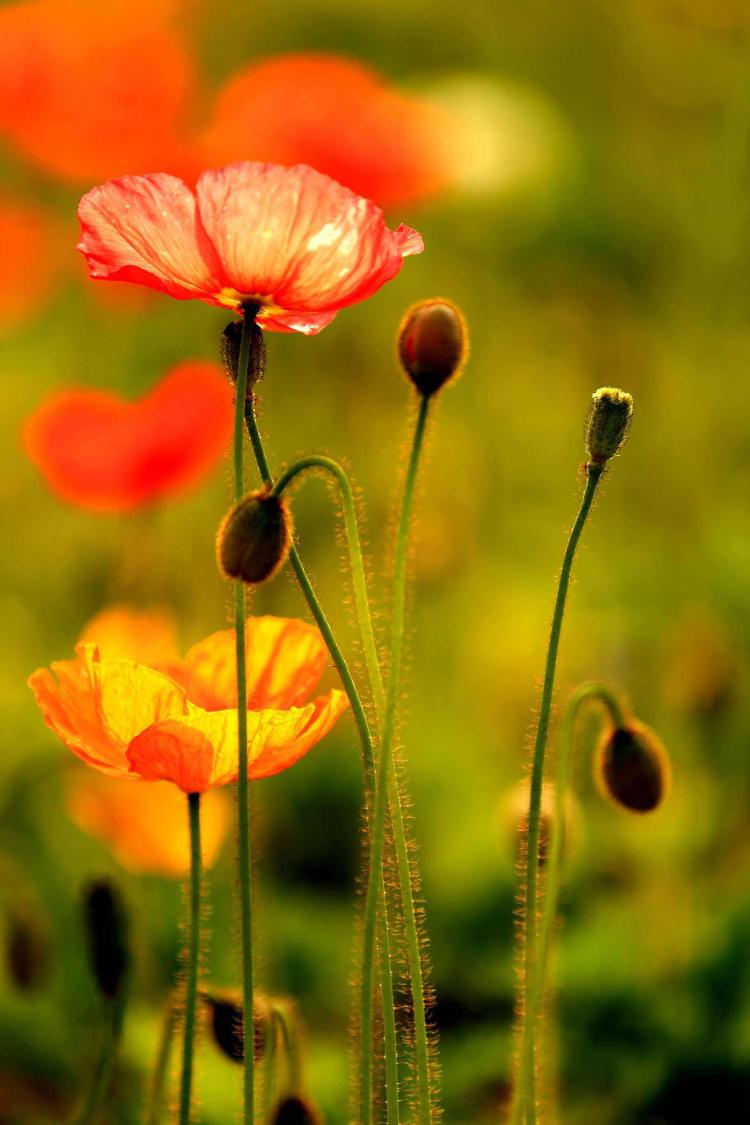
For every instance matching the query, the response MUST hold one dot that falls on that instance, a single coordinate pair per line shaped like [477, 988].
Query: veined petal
[285, 660]
[132, 697]
[295, 237]
[201, 749]
[69, 702]
[146, 229]
[308, 323]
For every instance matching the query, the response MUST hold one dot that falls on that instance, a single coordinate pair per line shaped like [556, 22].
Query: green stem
[386, 787]
[191, 983]
[102, 1075]
[158, 1095]
[525, 1102]
[243, 786]
[580, 697]
[368, 761]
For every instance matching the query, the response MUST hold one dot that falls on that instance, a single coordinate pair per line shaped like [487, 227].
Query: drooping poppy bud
[433, 344]
[632, 767]
[224, 1010]
[608, 423]
[106, 929]
[26, 951]
[255, 537]
[294, 1111]
[229, 347]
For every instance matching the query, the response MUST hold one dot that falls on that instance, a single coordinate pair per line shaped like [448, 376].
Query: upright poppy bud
[433, 344]
[224, 1011]
[255, 537]
[632, 767]
[106, 930]
[608, 423]
[294, 1111]
[26, 950]
[229, 347]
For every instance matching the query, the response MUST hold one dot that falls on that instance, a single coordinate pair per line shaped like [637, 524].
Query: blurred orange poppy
[144, 823]
[108, 455]
[339, 116]
[176, 720]
[29, 261]
[87, 93]
[291, 241]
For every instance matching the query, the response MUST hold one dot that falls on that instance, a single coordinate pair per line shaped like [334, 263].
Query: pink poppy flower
[291, 239]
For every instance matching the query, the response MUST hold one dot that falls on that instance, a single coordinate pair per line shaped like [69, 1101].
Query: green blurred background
[607, 244]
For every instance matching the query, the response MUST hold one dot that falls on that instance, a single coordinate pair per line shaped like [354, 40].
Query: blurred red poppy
[340, 117]
[88, 92]
[290, 240]
[106, 454]
[29, 261]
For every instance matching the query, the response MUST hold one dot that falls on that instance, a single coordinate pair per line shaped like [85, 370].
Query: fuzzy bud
[294, 1111]
[608, 423]
[230, 343]
[433, 344]
[26, 951]
[632, 768]
[106, 929]
[255, 537]
[224, 1010]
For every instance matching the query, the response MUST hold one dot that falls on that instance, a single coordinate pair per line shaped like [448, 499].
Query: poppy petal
[131, 696]
[295, 237]
[285, 660]
[146, 229]
[148, 637]
[105, 454]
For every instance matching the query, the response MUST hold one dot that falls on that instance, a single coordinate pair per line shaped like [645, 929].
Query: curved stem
[386, 787]
[158, 1095]
[368, 762]
[243, 788]
[525, 1103]
[191, 983]
[581, 696]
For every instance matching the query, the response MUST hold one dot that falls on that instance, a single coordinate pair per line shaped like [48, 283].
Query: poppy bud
[294, 1111]
[25, 951]
[633, 768]
[106, 929]
[229, 346]
[607, 423]
[224, 1010]
[255, 537]
[432, 344]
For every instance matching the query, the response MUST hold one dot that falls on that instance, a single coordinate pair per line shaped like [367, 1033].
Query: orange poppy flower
[28, 264]
[144, 823]
[171, 719]
[340, 117]
[90, 93]
[108, 455]
[291, 240]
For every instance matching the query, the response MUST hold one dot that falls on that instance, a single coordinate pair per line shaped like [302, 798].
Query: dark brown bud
[632, 767]
[294, 1111]
[255, 537]
[608, 423]
[106, 929]
[433, 344]
[26, 951]
[224, 1010]
[230, 344]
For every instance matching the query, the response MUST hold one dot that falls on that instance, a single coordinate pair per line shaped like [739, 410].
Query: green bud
[632, 768]
[608, 423]
[255, 537]
[433, 344]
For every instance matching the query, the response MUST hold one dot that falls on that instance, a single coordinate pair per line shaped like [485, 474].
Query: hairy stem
[525, 1103]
